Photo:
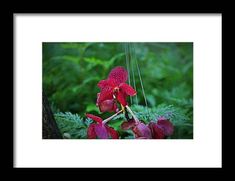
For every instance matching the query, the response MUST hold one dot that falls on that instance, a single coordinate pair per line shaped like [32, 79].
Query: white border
[203, 151]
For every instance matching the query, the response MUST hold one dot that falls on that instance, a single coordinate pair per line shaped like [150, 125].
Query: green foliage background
[71, 72]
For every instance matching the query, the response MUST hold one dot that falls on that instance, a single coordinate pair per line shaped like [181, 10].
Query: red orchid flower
[140, 130]
[159, 130]
[100, 130]
[114, 88]
[162, 128]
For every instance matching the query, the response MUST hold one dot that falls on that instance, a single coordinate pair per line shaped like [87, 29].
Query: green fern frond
[72, 124]
[176, 115]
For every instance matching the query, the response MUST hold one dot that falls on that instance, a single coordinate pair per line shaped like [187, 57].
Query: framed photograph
[108, 90]
[118, 90]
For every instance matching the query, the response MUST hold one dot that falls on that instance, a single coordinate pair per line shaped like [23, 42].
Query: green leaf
[92, 107]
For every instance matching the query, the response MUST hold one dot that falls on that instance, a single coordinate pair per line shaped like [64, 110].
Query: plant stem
[111, 117]
[126, 114]
[133, 115]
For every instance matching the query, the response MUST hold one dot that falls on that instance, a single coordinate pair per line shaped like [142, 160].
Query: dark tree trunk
[50, 129]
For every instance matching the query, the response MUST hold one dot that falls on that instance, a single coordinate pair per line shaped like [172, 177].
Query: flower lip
[108, 105]
[115, 89]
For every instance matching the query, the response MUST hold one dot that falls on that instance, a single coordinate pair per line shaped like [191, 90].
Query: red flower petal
[157, 132]
[101, 131]
[115, 108]
[166, 126]
[105, 94]
[91, 131]
[97, 100]
[108, 106]
[128, 124]
[102, 84]
[113, 133]
[95, 118]
[127, 89]
[106, 83]
[141, 130]
[142, 138]
[119, 74]
[121, 97]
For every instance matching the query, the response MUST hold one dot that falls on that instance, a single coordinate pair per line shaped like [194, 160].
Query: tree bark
[50, 128]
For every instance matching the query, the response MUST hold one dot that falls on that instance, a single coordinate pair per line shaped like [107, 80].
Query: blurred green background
[71, 72]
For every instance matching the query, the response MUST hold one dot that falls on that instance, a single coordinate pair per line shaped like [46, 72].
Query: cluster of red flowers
[153, 130]
[114, 90]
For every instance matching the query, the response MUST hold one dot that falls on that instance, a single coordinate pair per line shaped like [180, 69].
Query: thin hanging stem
[133, 115]
[111, 117]
[128, 65]
[141, 82]
[133, 74]
[127, 62]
